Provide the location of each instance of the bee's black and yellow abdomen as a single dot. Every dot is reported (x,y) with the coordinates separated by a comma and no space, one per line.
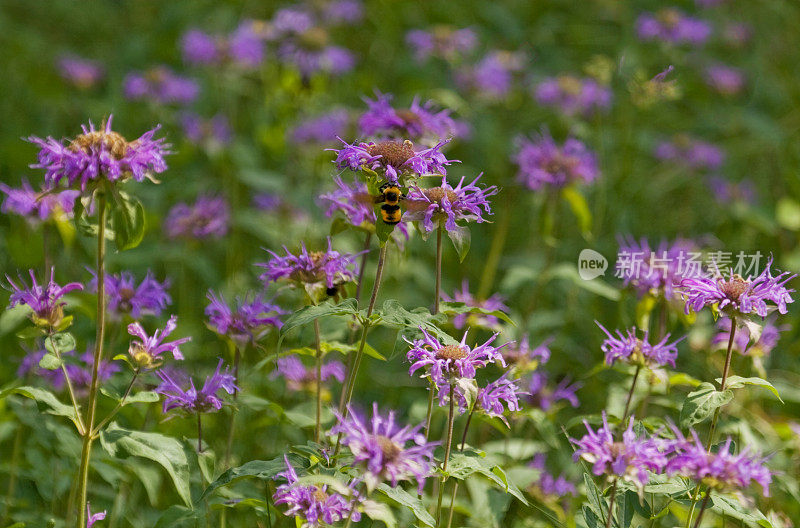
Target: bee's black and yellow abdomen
(391,214)
(390,196)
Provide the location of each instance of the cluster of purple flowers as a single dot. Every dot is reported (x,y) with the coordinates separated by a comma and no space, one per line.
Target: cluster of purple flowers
(545,164)
(574,95)
(443,42)
(727,192)
(299,377)
(125,297)
(79,369)
(541,394)
(691,153)
(37,206)
(420,121)
(549,485)
(493,303)
(661,269)
(243,47)
(247,322)
(445,205)
(191,400)
(672,27)
(44,300)
(160,85)
(632,349)
(207,217)
(392,158)
(82,73)
(322,129)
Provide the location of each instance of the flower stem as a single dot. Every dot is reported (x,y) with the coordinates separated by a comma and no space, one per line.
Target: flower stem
(438,270)
(237,356)
(460,450)
(86,450)
(630,395)
(116,409)
(429,416)
(702,509)
(495,251)
(360,283)
(70,389)
(319,380)
(199,434)
(725,372)
(611,504)
(447,448)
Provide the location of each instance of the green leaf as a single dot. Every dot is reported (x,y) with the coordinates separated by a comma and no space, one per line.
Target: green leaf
(377,511)
(166,451)
(309,314)
(177,517)
(46,401)
(127,218)
(730,506)
(258,469)
(737,382)
(457,308)
(461,239)
(699,404)
(591,518)
(60,343)
(139,397)
(404,498)
(50,362)
(393,314)
(580,208)
(462,465)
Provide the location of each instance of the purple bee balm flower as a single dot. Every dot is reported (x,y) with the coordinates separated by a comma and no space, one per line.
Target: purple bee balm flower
(100,153)
(493,303)
(160,85)
(638,351)
(146,351)
(91,518)
(267,202)
(208,217)
(738,296)
(629,459)
(724,79)
(446,362)
(314,504)
(381,445)
(322,129)
(328,270)
(250,320)
(292,20)
(721,471)
(690,153)
(770,334)
(191,400)
(574,95)
(198,47)
(673,27)
(419,121)
(492,397)
(299,377)
(727,192)
(40,206)
(213,133)
(306,55)
(150,297)
(543,163)
(493,75)
(246,45)
(549,484)
(392,158)
(83,73)
(541,395)
(357,205)
(444,42)
(445,204)
(44,300)
(343,11)
(656,272)
(520,354)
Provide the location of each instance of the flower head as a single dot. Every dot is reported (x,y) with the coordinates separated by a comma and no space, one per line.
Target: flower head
(198,47)
(446,362)
(322,129)
(542,395)
(213,133)
(574,95)
(549,485)
(247,322)
(44,300)
(442,41)
(446,204)
(100,153)
(638,351)
(690,152)
(299,377)
(82,73)
(80,369)
(479,320)
(727,192)
(392,158)
(724,79)
(658,271)
(191,400)
(207,217)
(246,45)
(37,207)
(673,27)
(357,205)
(491,399)
(146,350)
(382,446)
(520,354)
(493,75)
(160,85)
(419,121)
(125,297)
(543,163)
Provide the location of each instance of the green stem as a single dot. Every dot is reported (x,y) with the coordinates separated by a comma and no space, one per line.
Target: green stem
(199,433)
(12,473)
(70,390)
(630,395)
(447,448)
(318,381)
(461,450)
(495,252)
(702,509)
(86,450)
(237,355)
(360,282)
(116,409)
(438,270)
(611,504)
(725,371)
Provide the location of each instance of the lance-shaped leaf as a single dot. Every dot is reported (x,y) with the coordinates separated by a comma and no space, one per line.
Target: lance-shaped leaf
(699,404)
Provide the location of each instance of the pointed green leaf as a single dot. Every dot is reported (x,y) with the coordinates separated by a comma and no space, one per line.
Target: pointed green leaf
(699,404)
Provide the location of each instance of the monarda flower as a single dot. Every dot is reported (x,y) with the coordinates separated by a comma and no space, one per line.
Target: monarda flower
(207,217)
(522,357)
(247,322)
(161,86)
(213,134)
(656,271)
(387,451)
(81,73)
(246,46)
(739,296)
(190,400)
(672,27)
(770,334)
(478,320)
(727,192)
(574,95)
(548,485)
(392,158)
(444,42)
(419,121)
(724,79)
(545,164)
(691,153)
(322,129)
(315,505)
(445,205)
(125,297)
(542,395)
(44,300)
(80,369)
(321,273)
(494,398)
(632,349)
(101,153)
(493,75)
(198,47)
(146,351)
(37,206)
(299,377)
(629,459)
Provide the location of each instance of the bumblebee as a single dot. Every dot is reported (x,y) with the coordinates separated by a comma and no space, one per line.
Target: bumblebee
(390,196)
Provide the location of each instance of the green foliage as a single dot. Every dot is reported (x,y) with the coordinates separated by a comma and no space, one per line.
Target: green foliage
(702,402)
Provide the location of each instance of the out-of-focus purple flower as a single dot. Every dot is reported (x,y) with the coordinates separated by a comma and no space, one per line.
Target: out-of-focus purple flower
(267,202)
(100,153)
(343,11)
(737,34)
(632,349)
(30,365)
(543,396)
(146,349)
(479,320)
(737,296)
(548,484)
(299,377)
(574,95)
(160,85)
(724,79)
(726,191)
(493,75)
(91,518)
(770,334)
(629,459)
(419,121)
(673,27)
(443,363)
(198,47)
(381,445)
(446,205)
(44,300)
(246,45)
(543,163)
(208,217)
(444,42)
(81,374)
(655,271)
(41,206)
(79,368)
(292,20)
(721,471)
(248,322)
(392,158)
(212,133)
(83,73)
(314,504)
(322,129)
(521,356)
(709,3)
(150,297)
(191,400)
(492,397)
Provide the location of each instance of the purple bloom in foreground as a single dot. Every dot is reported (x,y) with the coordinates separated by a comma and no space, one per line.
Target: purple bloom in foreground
(392,158)
(100,153)
(673,27)
(248,322)
(501,391)
(83,73)
(691,153)
(543,396)
(381,445)
(323,129)
(445,204)
(161,85)
(446,362)
(146,351)
(543,163)
(191,400)
(724,79)
(41,206)
(91,519)
(629,459)
(315,504)
(574,95)
(299,377)
(125,297)
(493,303)
(419,121)
(442,41)
(43,299)
(738,296)
(638,351)
(207,217)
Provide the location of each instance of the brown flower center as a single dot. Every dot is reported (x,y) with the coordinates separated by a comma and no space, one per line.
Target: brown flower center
(561,164)
(437,194)
(99,139)
(409,117)
(389,447)
(451,352)
(392,153)
(734,288)
(320,495)
(669,17)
